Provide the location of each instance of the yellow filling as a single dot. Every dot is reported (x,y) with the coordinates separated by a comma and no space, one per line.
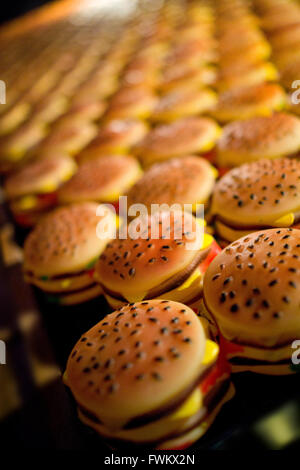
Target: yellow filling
(27,202)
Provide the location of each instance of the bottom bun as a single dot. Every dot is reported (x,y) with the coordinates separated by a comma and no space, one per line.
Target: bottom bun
(189,438)
(75,298)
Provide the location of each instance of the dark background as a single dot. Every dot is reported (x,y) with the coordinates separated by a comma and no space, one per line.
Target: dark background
(13,9)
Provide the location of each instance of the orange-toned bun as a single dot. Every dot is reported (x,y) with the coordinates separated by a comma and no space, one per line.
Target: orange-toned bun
(251,289)
(131,102)
(187,180)
(154,260)
(249,101)
(65,241)
(103,179)
(140,389)
(115,137)
(259,137)
(262,194)
(39,177)
(70,136)
(182,137)
(185,76)
(180,103)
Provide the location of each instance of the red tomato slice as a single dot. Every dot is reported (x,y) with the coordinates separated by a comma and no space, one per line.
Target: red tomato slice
(214,251)
(220,368)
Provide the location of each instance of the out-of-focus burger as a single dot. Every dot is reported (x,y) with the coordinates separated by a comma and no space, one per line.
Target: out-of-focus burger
(61,251)
(255,196)
(259,137)
(32,190)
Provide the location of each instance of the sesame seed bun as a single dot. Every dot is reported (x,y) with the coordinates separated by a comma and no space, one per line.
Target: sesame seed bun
(15,145)
(65,241)
(69,137)
(86,110)
(246,102)
(118,394)
(259,50)
(49,108)
(259,194)
(117,136)
(182,137)
(143,266)
(192,52)
(187,180)
(286,37)
(186,76)
(251,289)
(246,74)
(259,137)
(181,103)
(103,179)
(13,116)
(40,176)
(131,102)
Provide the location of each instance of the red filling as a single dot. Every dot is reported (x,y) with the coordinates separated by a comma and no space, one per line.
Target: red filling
(29,217)
(220,368)
(214,251)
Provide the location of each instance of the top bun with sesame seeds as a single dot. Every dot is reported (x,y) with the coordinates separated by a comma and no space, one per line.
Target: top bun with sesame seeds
(258,137)
(65,241)
(257,195)
(138,390)
(147,373)
(187,180)
(182,137)
(101,179)
(156,258)
(252,290)
(39,176)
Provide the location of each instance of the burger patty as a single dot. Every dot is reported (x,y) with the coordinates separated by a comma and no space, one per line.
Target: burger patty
(257,362)
(211,400)
(170,284)
(154,415)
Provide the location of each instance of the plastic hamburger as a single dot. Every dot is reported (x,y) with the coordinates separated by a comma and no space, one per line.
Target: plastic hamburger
(255,196)
(131,102)
(185,76)
(180,103)
(251,291)
(115,137)
(61,251)
(247,102)
(182,137)
(187,180)
(148,375)
(32,190)
(163,256)
(259,137)
(103,179)
(69,136)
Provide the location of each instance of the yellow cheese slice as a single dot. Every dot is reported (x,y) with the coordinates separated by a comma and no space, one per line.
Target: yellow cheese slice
(189,407)
(27,202)
(211,352)
(284,221)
